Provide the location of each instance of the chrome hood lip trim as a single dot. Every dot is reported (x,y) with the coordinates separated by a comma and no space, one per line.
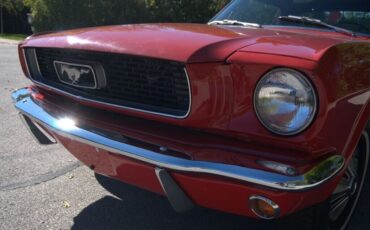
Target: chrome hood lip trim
(319,174)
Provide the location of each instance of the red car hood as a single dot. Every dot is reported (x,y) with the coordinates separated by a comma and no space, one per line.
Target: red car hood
(186,43)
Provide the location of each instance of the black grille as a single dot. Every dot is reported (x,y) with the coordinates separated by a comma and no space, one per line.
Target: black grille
(153,85)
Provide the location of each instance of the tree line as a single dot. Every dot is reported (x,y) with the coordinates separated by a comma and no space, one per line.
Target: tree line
(68,14)
(14,17)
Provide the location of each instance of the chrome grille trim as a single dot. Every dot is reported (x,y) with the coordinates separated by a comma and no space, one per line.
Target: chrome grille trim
(82,98)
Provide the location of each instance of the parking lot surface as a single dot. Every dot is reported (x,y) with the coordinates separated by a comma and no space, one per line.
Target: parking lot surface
(44,187)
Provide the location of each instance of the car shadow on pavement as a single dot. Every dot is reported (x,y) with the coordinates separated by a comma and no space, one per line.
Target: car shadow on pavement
(140,209)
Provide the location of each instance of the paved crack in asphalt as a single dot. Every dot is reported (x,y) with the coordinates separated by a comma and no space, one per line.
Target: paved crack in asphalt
(41,179)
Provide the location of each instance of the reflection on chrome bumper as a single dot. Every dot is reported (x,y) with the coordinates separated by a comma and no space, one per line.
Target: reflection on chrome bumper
(66,127)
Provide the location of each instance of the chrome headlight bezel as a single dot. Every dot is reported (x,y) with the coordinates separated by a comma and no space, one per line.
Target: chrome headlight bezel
(302,78)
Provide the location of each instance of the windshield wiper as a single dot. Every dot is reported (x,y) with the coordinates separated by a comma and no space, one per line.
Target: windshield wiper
(316,22)
(234,23)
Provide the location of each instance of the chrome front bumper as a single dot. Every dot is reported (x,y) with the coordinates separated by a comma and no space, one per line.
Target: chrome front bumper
(64,126)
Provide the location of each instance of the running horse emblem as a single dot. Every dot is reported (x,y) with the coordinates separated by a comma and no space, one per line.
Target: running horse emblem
(74,74)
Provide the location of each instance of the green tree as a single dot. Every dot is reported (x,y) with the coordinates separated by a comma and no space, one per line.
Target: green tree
(67,14)
(184,10)
(14,7)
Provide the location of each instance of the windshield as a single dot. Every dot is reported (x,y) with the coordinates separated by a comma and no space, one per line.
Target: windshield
(353,15)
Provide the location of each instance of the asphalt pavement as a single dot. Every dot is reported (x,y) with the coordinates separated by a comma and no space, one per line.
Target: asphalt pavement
(44,187)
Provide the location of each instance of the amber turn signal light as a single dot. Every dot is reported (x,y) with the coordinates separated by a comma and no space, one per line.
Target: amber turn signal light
(264,208)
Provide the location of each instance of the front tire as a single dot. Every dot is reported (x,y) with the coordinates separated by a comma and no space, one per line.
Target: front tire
(344,200)
(336,213)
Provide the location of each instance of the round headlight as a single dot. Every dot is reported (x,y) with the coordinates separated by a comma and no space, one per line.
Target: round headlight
(285,101)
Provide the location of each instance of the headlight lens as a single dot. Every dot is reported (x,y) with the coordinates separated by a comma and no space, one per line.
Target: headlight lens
(285,101)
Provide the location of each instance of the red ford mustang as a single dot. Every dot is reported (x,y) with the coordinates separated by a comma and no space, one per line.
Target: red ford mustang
(262,112)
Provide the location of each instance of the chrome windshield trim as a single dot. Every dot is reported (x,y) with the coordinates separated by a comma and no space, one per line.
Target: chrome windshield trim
(319,174)
(228,22)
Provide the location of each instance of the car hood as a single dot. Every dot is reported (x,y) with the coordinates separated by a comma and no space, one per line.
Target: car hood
(188,43)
